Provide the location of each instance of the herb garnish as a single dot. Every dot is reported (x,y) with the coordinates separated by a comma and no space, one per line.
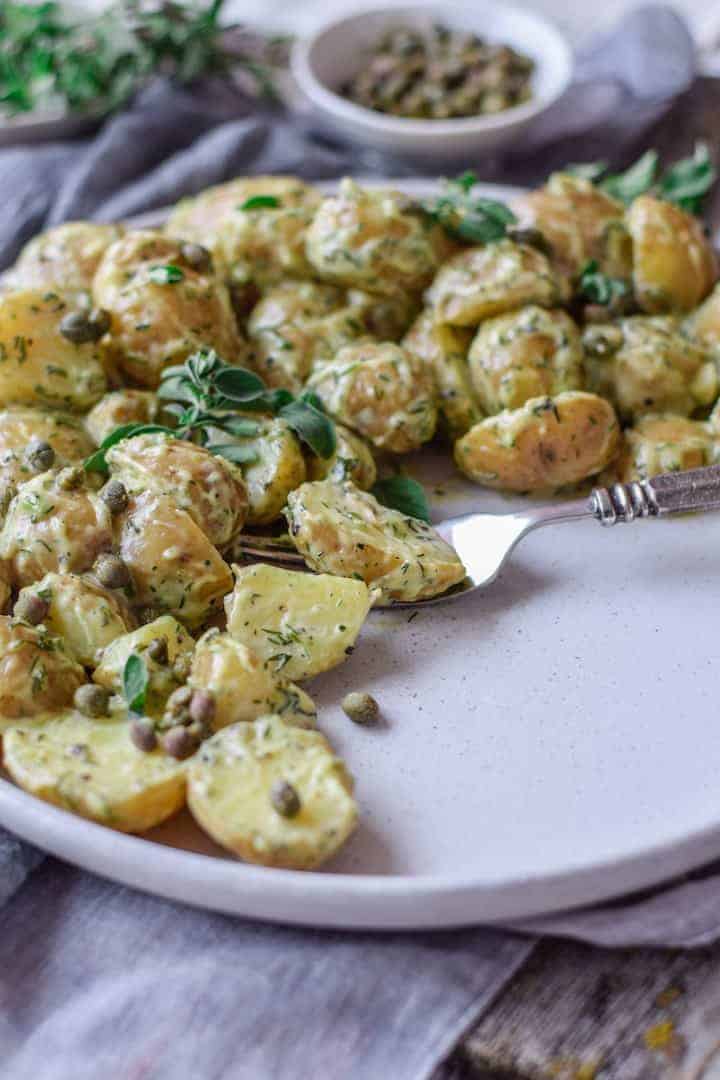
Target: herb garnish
(685,183)
(404,494)
(165,275)
(260,202)
(467,217)
(599,288)
(204,395)
(135,682)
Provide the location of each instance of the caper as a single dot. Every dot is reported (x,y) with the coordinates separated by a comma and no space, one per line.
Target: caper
(31,608)
(285,799)
(115,496)
(157,650)
(142,734)
(197,256)
(82,327)
(361,708)
(179,743)
(71,478)
(92,700)
(111,572)
(202,707)
(39,455)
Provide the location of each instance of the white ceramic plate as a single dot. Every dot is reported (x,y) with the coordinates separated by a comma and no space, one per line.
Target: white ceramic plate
(550,742)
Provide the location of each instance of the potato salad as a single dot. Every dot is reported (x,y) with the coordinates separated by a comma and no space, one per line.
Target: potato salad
(259,368)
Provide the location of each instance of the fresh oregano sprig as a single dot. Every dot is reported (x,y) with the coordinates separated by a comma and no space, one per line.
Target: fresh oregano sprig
(599,288)
(686,183)
(468,217)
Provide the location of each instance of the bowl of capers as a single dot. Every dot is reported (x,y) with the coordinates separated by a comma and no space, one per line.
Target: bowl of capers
(433,81)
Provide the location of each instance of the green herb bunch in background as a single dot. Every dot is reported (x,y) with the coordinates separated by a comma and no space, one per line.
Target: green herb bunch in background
(59,59)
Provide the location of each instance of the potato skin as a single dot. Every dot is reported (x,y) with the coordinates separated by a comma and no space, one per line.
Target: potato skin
(64,258)
(230,783)
(660,444)
(173,565)
(529,353)
(580,222)
(49,530)
(157,325)
(18,425)
(656,367)
(341,530)
(259,246)
(545,445)
(120,407)
(445,350)
(208,487)
(352,460)
(36,672)
(86,616)
(367,239)
(40,367)
(383,392)
(480,282)
(674,266)
(244,687)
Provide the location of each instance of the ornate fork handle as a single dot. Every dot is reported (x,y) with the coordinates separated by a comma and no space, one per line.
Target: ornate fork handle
(670,493)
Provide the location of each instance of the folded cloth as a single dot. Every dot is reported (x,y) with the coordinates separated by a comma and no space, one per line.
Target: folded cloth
(98,980)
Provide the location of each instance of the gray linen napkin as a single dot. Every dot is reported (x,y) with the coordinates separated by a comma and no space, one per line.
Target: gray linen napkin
(98,980)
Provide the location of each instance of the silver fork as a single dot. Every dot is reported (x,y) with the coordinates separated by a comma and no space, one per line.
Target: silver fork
(485,541)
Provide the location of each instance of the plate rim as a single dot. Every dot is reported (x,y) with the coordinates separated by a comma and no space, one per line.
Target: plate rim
(340,900)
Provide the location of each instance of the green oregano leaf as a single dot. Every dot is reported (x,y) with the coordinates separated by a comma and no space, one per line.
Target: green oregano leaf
(599,288)
(239,384)
(687,181)
(466,217)
(165,275)
(260,202)
(97,462)
(135,682)
(404,494)
(308,420)
(238,453)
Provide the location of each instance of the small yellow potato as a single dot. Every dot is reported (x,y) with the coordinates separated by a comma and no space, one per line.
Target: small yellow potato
(529,353)
(64,258)
(298,325)
(92,768)
(244,687)
(80,611)
(36,672)
(272,794)
(50,528)
(208,487)
(383,392)
(581,223)
(372,240)
(352,460)
(674,266)
(341,530)
(703,324)
(38,365)
(445,349)
(648,364)
(260,244)
(544,445)
(484,281)
(298,624)
(278,467)
(173,565)
(661,444)
(21,426)
(162,308)
(120,407)
(164,677)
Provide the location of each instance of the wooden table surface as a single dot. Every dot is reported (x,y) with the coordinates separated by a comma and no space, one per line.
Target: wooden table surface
(580,1013)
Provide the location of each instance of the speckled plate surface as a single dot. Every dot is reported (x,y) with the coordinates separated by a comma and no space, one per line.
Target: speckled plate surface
(549,742)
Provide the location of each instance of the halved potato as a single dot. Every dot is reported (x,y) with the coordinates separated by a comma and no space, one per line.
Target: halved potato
(49,529)
(38,365)
(244,687)
(232,780)
(298,624)
(81,612)
(36,672)
(92,768)
(162,678)
(120,407)
(341,530)
(546,444)
(445,349)
(660,444)
(480,282)
(674,266)
(173,565)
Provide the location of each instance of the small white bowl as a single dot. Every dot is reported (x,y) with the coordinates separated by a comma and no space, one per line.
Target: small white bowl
(329,57)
